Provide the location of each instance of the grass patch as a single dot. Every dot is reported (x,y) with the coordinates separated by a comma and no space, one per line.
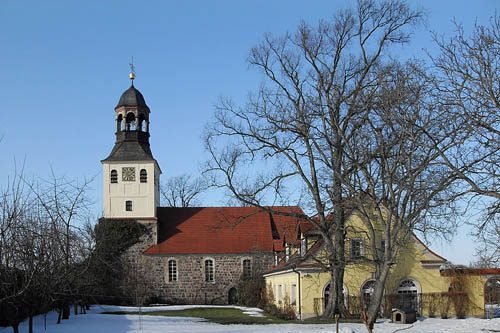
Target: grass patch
(227,316)
(223,316)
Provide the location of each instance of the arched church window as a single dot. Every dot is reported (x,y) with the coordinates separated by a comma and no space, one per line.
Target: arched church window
(114,176)
(144,176)
(209,270)
(247,268)
(172,270)
(128,205)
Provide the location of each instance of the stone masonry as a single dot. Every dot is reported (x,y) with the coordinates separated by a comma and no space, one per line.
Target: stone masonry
(148,275)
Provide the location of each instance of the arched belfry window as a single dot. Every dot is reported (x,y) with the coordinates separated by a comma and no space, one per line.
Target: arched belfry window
(141,123)
(144,176)
(128,205)
(114,176)
(119,121)
(130,120)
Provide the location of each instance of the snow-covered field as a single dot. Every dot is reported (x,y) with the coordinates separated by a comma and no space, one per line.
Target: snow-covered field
(95,322)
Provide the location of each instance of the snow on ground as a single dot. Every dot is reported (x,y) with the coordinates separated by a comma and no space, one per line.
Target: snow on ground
(95,322)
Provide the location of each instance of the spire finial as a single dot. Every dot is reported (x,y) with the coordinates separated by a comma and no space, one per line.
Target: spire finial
(132,70)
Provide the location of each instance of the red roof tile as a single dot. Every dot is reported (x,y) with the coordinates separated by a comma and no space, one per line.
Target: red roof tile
(220,230)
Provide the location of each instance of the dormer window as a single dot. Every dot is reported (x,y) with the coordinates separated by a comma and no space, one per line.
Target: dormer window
(144,176)
(303,246)
(114,176)
(287,252)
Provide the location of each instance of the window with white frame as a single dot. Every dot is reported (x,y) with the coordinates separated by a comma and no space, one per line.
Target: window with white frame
(247,268)
(279,294)
(172,270)
(209,270)
(293,294)
(143,176)
(114,176)
(356,248)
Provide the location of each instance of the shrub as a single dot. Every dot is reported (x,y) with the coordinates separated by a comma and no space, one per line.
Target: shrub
(430,303)
(250,291)
(444,305)
(287,311)
(317,306)
(460,302)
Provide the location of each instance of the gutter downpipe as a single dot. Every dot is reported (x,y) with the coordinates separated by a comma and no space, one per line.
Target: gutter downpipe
(298,293)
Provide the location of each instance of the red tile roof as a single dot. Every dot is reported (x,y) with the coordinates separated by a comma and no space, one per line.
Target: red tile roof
(220,230)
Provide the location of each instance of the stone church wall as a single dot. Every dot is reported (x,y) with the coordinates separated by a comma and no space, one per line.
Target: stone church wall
(147,276)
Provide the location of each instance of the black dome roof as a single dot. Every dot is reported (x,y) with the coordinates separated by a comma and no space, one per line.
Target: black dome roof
(131,97)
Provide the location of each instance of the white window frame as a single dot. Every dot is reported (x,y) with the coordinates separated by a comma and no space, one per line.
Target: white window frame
(361,248)
(207,279)
(244,272)
(176,276)
(293,294)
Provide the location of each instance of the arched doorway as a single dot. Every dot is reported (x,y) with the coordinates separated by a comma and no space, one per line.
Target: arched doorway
(232,297)
(408,294)
(326,295)
(366,293)
(492,297)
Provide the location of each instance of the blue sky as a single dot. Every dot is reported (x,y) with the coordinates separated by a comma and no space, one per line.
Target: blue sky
(64,65)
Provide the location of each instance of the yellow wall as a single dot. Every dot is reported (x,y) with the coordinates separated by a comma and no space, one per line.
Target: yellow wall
(408,265)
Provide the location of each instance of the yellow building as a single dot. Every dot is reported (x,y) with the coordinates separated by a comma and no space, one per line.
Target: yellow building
(416,281)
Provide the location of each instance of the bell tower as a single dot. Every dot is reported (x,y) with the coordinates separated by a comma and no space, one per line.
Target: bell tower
(131,175)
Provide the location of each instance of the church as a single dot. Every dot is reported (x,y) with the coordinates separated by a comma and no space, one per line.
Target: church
(199,255)
(193,255)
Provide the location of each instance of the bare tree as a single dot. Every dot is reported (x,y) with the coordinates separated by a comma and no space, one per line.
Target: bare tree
(399,168)
(292,133)
(183,191)
(469,86)
(65,206)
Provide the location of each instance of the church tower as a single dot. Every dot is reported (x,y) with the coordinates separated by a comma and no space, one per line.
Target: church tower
(131,174)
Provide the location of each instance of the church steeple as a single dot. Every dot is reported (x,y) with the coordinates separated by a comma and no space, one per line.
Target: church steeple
(132,127)
(131,174)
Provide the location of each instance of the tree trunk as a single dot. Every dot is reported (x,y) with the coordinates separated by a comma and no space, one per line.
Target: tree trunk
(30,324)
(371,314)
(337,260)
(65,310)
(15,327)
(59,315)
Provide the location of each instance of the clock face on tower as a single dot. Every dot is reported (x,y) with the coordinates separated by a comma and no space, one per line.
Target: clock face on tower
(128,174)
